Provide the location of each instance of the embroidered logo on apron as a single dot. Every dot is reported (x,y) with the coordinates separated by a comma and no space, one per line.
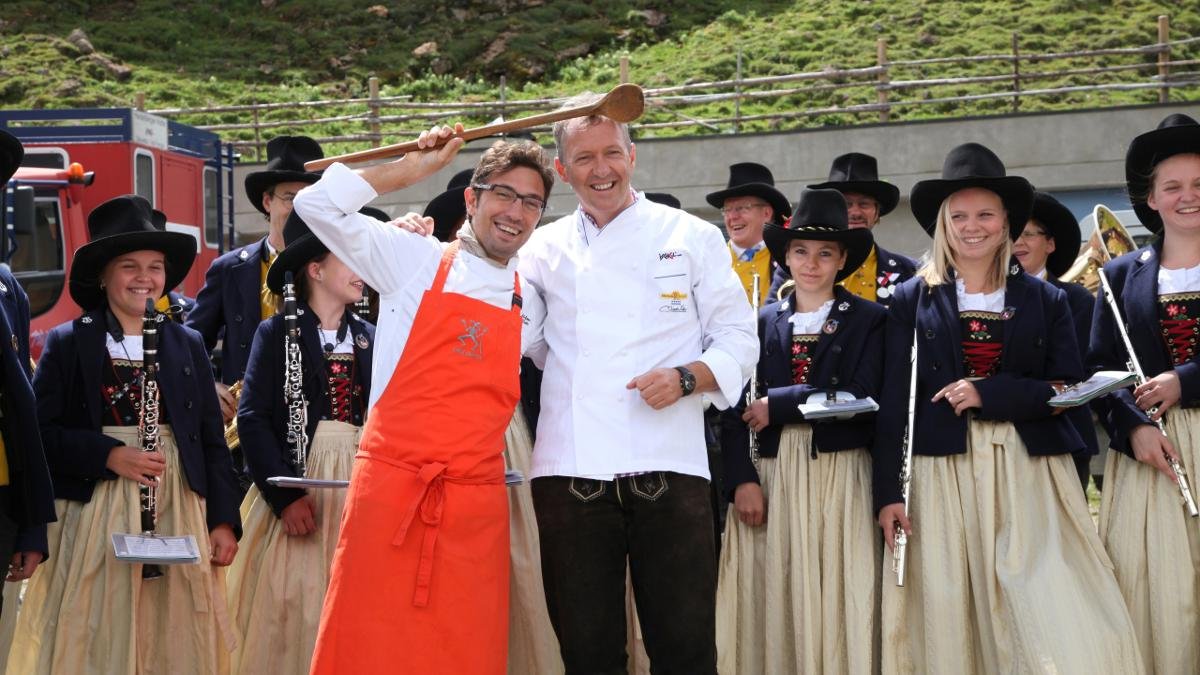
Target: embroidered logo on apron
(470,343)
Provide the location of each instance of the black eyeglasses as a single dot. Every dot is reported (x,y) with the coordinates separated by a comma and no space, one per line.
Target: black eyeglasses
(507,195)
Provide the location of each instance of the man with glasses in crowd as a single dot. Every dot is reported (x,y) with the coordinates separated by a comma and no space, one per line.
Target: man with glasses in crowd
(748,203)
(422,561)
(235,298)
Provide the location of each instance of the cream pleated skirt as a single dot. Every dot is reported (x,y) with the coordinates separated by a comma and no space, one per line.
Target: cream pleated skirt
(532,646)
(1006,573)
(277,583)
(84,613)
(8,619)
(1155,548)
(800,594)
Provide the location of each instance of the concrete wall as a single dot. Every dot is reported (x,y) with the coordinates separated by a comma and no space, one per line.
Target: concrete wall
(1055,151)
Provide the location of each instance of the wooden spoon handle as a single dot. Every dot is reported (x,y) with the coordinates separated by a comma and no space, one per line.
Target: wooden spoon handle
(625,103)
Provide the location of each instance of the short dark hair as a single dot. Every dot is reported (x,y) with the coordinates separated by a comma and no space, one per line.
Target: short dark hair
(507,155)
(582,99)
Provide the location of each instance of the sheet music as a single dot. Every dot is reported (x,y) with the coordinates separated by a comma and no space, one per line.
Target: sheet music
(157,549)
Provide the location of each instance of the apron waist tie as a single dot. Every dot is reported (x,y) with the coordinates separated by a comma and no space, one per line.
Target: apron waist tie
(428,501)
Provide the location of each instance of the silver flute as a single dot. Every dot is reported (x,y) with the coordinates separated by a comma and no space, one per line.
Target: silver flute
(293,379)
(148,425)
(900,548)
(1134,365)
(752,392)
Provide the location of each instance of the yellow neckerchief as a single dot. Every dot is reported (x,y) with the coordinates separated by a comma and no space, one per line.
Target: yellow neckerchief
(745,270)
(861,281)
(266,297)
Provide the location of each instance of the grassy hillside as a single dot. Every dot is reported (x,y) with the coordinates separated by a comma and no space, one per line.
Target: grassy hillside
(186,53)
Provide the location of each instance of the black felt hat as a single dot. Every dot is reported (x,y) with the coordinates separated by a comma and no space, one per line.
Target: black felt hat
(1176,134)
(973,165)
(286,156)
(449,207)
(857,172)
(119,226)
(11,154)
(1060,224)
(748,179)
(665,199)
(821,215)
(300,246)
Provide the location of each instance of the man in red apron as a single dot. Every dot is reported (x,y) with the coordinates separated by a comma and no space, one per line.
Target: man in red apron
(420,577)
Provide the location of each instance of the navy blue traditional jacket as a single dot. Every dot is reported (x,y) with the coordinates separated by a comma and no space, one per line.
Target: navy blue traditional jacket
(70,407)
(230,306)
(1082,305)
(31,497)
(1134,280)
(899,268)
(262,410)
(848,357)
(1038,348)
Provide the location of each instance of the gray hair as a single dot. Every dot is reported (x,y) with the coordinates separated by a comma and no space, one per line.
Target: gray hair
(583,99)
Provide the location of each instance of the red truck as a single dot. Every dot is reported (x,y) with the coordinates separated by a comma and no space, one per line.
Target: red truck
(76,159)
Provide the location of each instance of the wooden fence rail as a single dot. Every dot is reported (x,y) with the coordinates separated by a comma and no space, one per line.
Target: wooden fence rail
(869,90)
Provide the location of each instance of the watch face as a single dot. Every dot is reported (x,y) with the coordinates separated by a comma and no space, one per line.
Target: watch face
(687,382)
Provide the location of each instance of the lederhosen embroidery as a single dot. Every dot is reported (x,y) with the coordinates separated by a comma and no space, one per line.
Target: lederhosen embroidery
(803,348)
(1179,319)
(981,344)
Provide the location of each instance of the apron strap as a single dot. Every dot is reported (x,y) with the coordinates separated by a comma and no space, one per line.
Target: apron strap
(439,280)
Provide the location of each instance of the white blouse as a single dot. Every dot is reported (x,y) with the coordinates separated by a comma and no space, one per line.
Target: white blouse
(1183,280)
(809,323)
(978,302)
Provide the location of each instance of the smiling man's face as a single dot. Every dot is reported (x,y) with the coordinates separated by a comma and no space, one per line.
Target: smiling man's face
(598,165)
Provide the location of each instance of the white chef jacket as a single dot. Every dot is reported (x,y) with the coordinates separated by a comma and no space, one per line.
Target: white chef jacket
(401,266)
(655,289)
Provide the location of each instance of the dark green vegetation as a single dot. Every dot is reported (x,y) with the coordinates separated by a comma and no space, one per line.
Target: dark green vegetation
(192,53)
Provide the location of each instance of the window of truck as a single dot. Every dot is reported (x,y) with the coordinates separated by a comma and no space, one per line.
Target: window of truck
(38,262)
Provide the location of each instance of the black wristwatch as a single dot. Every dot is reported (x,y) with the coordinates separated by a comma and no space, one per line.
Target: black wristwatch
(687,381)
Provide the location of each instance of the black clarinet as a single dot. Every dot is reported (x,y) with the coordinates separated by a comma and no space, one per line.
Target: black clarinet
(293,379)
(148,425)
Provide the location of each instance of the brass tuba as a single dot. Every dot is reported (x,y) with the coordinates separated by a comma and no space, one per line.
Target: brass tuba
(1108,241)
(231,430)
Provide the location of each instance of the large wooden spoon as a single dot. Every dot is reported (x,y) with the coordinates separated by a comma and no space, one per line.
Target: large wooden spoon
(624,103)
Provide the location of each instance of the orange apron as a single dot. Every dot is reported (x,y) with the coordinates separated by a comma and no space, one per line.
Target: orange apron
(419,582)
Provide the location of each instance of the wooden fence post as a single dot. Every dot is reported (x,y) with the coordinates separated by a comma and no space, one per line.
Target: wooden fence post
(881,95)
(737,91)
(624,69)
(1016,104)
(503,93)
(258,149)
(139,101)
(373,111)
(1164,57)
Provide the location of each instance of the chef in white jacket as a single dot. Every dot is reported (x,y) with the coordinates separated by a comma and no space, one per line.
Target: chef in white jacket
(643,314)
